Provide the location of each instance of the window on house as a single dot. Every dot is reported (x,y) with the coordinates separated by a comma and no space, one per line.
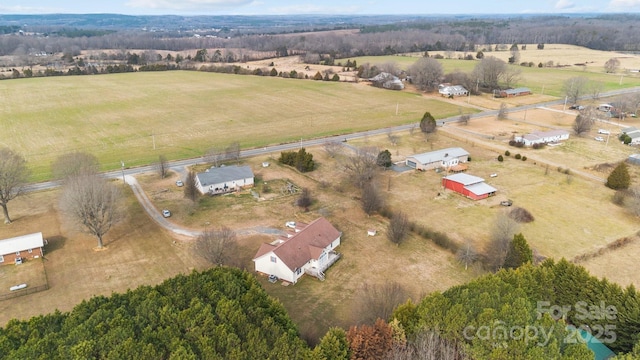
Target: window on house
(30,250)
(298,271)
(273,259)
(17,253)
(1,258)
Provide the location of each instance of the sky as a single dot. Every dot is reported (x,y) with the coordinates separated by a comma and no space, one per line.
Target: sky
(328,7)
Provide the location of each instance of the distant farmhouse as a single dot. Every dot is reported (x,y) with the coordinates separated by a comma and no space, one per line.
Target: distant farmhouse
(512,92)
(224,179)
(452,90)
(543,137)
(470,186)
(387,81)
(21,247)
(310,250)
(448,159)
(633,133)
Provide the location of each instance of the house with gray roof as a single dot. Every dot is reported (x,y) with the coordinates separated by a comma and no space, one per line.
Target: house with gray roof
(224,179)
(443,158)
(633,133)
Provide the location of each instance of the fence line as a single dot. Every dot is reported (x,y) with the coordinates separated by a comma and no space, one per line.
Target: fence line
(27,291)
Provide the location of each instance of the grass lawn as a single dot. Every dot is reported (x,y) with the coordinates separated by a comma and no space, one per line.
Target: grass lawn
(136,117)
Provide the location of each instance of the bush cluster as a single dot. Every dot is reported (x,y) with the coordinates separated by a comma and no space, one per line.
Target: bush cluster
(518,144)
(301,160)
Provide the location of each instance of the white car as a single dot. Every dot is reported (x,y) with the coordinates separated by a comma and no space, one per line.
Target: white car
(179,183)
(290,224)
(166,213)
(599,138)
(603,131)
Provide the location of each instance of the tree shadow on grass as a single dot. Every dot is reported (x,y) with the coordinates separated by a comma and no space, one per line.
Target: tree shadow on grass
(54,243)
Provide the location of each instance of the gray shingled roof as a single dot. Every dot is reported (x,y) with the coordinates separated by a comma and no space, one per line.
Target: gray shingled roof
(224,174)
(440,155)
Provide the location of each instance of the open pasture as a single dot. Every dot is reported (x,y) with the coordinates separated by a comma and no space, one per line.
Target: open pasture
(137,116)
(573,60)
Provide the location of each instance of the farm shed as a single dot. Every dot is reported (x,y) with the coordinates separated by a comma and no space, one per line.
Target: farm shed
(470,186)
(633,133)
(310,250)
(444,158)
(25,246)
(543,137)
(224,179)
(452,90)
(512,92)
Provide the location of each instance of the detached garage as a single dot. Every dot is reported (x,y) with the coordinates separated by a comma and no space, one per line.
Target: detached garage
(470,186)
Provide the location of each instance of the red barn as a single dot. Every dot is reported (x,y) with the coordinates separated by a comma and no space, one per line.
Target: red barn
(470,186)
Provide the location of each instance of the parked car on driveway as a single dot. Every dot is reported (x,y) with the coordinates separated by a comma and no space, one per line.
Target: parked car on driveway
(599,138)
(179,183)
(166,213)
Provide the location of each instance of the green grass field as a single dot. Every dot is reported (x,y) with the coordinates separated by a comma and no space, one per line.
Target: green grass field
(547,81)
(121,117)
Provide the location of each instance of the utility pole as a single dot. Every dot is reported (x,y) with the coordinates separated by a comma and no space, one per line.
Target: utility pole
(122,164)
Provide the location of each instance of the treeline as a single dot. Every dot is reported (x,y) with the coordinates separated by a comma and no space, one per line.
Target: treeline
(217,314)
(491,315)
(602,32)
(223,313)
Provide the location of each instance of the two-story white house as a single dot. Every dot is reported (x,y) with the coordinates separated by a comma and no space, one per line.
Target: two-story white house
(310,250)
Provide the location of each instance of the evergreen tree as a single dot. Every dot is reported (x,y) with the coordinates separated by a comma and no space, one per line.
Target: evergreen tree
(428,123)
(619,178)
(384,159)
(519,253)
(333,345)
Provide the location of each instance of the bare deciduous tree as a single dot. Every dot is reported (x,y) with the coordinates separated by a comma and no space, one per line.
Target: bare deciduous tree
(611,65)
(511,76)
(162,166)
(467,254)
(371,198)
(232,152)
(332,148)
(595,88)
(362,165)
(215,155)
(92,203)
(428,345)
(426,73)
(191,191)
(582,124)
(393,138)
(502,232)
(464,119)
(218,247)
(574,88)
(74,164)
(503,112)
(490,71)
(398,227)
(377,301)
(13,177)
